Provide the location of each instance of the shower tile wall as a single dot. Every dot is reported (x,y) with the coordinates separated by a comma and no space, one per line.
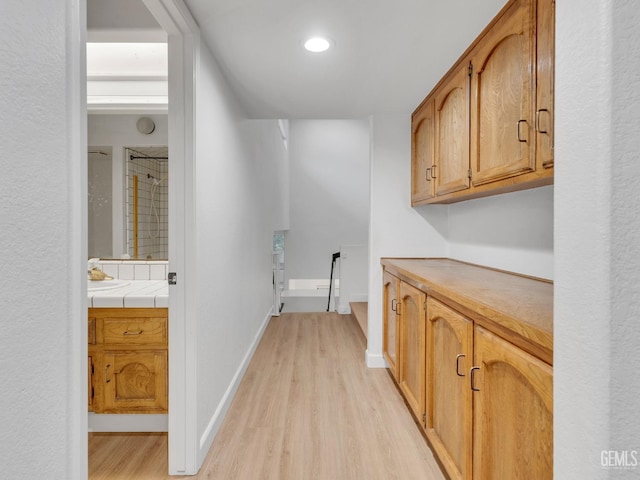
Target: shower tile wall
(152,217)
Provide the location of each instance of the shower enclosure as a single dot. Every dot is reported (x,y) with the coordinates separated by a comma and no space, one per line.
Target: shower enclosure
(146,202)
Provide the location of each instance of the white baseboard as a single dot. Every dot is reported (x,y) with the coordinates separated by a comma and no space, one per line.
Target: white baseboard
(344,309)
(375,361)
(359,297)
(216,420)
(127,423)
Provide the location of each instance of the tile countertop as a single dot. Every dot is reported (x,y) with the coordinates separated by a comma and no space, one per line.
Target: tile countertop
(135,294)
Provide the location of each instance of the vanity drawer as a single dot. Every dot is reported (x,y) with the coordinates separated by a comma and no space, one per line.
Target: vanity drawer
(134,331)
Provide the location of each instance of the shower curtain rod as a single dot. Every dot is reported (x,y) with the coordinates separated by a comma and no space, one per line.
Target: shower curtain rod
(133,157)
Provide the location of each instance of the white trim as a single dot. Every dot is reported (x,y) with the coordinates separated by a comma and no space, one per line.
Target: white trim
(127,423)
(183,51)
(216,420)
(375,361)
(126,35)
(77,464)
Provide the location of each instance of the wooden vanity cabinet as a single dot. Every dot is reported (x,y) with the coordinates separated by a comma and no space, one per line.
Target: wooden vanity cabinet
(449,413)
(129,360)
(411,378)
(513,411)
(390,337)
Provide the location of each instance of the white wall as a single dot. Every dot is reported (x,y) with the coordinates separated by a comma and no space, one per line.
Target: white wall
(512,231)
(395,229)
(329,193)
(43,375)
(354,276)
(238,207)
(119,132)
(596,332)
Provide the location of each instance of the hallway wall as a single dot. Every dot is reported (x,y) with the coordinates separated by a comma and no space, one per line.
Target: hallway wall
(238,205)
(43,199)
(329,193)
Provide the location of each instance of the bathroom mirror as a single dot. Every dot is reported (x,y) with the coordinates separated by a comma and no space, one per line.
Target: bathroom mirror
(128,202)
(100,202)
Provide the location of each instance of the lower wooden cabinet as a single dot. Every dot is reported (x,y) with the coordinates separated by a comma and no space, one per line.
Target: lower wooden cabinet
(513,412)
(411,378)
(128,360)
(449,415)
(390,337)
(483,397)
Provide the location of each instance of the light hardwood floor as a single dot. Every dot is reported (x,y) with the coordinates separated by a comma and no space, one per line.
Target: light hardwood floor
(307,408)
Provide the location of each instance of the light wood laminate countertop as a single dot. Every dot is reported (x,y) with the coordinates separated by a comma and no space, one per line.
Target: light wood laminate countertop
(518,307)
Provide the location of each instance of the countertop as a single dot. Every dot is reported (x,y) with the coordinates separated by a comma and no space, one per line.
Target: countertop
(131,294)
(518,306)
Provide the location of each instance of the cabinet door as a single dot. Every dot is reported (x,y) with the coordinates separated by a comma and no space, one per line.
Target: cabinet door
(449,399)
(545,82)
(412,348)
(451,170)
(390,338)
(135,382)
(422,152)
(502,127)
(513,412)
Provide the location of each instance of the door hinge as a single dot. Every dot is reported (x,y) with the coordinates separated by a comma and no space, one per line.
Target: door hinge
(172,278)
(424,419)
(470,69)
(469,173)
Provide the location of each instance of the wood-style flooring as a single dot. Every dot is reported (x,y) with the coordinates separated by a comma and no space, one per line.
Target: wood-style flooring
(307,408)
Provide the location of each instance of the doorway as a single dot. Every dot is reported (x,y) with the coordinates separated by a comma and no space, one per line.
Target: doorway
(181,33)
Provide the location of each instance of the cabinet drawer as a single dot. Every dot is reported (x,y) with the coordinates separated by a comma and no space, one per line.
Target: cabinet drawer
(134,331)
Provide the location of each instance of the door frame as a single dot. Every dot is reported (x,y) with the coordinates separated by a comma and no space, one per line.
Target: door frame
(183,37)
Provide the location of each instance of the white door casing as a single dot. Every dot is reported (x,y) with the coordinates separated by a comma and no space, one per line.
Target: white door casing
(183,43)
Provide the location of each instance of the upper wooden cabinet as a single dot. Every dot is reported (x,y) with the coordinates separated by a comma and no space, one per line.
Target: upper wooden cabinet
(493,129)
(422,152)
(450,171)
(545,48)
(502,142)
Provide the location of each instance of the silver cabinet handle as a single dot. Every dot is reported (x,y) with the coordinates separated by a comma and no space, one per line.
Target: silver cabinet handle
(106,379)
(427,174)
(458,357)
(394,306)
(472,377)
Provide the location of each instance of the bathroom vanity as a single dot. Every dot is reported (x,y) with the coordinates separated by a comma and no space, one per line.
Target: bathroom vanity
(128,340)
(128,360)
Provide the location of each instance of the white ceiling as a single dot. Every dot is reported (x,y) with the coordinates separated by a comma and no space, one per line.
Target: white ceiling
(387,55)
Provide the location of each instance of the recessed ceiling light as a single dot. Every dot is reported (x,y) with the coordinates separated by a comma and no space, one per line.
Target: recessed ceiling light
(317,44)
